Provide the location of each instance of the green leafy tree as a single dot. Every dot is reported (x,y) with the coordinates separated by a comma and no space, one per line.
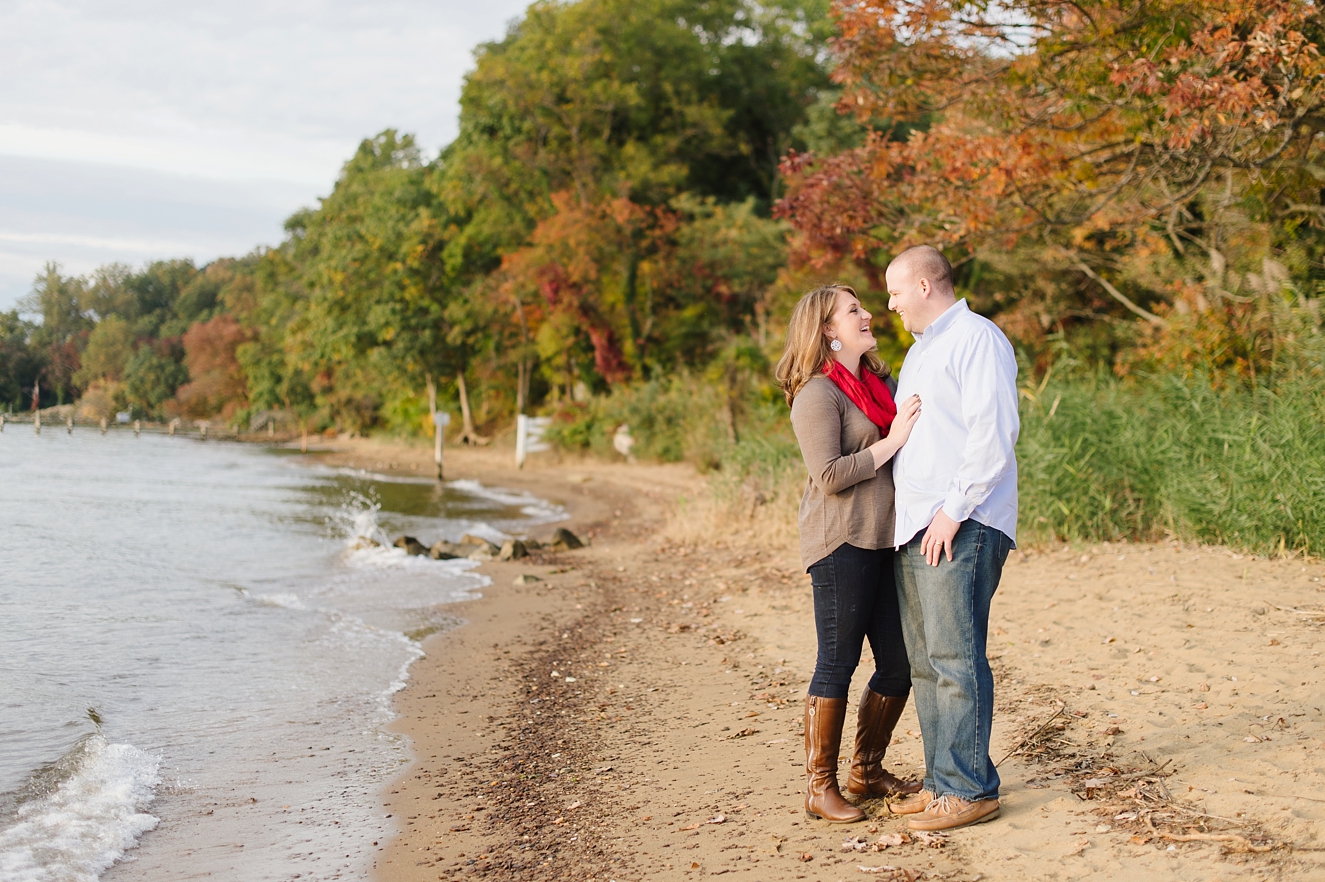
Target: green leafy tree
(109,348)
(151,379)
(60,337)
(20,362)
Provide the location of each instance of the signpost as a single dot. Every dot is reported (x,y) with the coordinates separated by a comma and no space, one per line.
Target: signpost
(440,420)
(529,437)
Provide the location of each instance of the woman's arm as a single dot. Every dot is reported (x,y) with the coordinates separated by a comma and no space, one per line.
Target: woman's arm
(886,448)
(816,418)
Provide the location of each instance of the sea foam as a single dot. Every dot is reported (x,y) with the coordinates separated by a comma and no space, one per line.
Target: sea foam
(88,821)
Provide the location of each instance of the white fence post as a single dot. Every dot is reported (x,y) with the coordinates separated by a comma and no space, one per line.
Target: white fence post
(529,437)
(440,420)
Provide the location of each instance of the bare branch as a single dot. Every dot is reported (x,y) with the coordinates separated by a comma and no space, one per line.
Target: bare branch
(1113,292)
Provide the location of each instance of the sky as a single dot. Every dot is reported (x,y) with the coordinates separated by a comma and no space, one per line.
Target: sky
(135,130)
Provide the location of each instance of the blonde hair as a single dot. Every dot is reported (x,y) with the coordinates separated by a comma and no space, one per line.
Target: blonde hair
(806,352)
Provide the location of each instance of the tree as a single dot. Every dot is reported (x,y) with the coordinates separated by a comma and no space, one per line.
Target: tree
(1136,151)
(151,379)
(366,287)
(580,129)
(60,337)
(20,363)
(109,348)
(216,382)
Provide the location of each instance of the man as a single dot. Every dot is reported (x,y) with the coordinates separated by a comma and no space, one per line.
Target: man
(956,482)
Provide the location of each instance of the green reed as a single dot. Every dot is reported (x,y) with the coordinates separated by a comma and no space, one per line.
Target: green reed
(1242,465)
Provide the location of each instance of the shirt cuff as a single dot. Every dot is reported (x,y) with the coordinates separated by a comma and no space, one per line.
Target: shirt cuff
(957,506)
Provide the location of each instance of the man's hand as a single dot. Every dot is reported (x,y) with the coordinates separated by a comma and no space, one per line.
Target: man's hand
(939,536)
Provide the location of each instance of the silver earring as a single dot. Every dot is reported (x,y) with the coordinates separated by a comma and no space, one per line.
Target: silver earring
(836,345)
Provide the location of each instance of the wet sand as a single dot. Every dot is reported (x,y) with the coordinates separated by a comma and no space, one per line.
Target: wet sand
(1159,710)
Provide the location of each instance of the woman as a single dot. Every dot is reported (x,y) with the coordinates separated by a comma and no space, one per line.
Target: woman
(849,428)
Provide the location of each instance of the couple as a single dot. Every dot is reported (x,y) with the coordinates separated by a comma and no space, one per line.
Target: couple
(906,521)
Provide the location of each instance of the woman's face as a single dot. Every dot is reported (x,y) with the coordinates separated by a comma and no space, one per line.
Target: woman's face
(850,323)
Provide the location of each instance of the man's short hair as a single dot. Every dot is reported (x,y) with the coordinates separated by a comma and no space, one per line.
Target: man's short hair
(927,262)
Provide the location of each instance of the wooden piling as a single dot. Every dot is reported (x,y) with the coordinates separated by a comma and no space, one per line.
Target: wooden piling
(103,425)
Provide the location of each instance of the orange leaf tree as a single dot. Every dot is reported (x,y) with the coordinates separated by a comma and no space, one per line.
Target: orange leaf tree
(1141,149)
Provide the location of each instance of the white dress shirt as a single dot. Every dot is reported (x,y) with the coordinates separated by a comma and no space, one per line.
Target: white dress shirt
(960,455)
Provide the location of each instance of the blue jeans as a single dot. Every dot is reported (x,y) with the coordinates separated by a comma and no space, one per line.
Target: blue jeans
(855,598)
(945,617)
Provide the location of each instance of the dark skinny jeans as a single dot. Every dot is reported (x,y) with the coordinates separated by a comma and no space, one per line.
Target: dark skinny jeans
(855,597)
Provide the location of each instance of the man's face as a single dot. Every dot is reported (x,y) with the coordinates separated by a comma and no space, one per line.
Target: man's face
(907,297)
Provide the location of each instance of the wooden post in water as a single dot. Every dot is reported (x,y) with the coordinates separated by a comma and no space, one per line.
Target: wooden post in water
(36,406)
(271,428)
(103,425)
(69,424)
(204,431)
(2,423)
(440,420)
(137,427)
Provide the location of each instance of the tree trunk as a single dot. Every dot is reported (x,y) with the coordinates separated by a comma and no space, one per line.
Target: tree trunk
(467,435)
(521,382)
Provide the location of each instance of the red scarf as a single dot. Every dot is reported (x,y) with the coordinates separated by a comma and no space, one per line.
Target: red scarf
(867,392)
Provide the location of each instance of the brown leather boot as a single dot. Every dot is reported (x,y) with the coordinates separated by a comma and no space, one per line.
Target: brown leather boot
(823,740)
(875,721)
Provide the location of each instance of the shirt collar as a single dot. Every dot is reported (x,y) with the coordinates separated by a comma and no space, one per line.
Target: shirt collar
(943,322)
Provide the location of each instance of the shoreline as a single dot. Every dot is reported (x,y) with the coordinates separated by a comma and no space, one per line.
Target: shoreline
(676,751)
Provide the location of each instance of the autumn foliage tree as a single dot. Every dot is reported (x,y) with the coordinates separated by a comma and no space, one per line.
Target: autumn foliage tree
(1157,153)
(216,382)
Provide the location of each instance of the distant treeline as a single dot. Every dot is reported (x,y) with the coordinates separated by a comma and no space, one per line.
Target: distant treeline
(640,189)
(603,216)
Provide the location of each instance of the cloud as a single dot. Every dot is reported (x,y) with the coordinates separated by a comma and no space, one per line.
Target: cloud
(241,91)
(233,89)
(83,215)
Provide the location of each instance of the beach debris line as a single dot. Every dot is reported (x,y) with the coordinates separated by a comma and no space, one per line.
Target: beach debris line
(1133,799)
(900,874)
(894,840)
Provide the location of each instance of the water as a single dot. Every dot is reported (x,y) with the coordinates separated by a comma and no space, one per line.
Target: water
(197,652)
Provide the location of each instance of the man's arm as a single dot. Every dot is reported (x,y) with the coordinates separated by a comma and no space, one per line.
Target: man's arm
(989,408)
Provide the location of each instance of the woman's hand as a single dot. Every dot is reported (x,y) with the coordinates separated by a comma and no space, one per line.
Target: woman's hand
(907,414)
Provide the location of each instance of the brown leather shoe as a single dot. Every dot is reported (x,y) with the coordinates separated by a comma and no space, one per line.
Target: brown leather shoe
(911,805)
(876,718)
(823,740)
(950,812)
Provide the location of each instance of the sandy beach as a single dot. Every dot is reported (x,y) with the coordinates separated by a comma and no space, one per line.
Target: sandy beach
(635,713)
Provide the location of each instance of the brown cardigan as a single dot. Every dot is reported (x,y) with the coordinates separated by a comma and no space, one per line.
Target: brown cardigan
(846,500)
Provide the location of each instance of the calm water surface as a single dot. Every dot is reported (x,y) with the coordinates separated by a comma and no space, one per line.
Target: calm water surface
(196,660)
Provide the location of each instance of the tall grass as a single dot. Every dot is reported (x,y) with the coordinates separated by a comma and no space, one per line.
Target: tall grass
(745,446)
(1100,459)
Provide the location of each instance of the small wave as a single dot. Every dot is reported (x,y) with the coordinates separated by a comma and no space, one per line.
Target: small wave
(540,510)
(383,477)
(357,521)
(283,600)
(86,823)
(386,557)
